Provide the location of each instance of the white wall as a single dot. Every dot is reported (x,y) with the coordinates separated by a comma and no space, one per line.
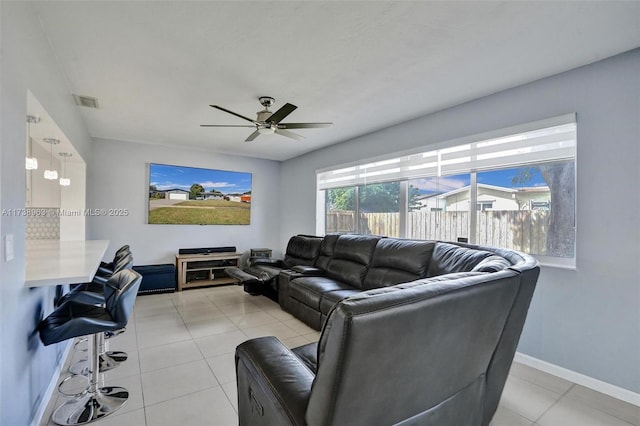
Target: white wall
(586,320)
(117,178)
(27,64)
(2,235)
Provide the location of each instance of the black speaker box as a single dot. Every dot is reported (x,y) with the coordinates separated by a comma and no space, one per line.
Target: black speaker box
(207,250)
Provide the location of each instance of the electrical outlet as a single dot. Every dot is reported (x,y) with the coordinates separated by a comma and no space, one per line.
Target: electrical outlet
(8,247)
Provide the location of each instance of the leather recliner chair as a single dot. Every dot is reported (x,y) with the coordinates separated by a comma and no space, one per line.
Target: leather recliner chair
(302,250)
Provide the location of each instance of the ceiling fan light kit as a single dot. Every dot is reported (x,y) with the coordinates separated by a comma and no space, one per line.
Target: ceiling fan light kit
(266,130)
(268,122)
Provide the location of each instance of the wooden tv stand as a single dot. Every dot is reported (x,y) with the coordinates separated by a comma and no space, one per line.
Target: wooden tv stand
(200,270)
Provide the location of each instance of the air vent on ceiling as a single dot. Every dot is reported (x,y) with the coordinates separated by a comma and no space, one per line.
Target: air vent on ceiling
(86,101)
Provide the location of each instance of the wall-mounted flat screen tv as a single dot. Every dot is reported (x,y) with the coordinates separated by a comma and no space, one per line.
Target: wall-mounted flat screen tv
(194,196)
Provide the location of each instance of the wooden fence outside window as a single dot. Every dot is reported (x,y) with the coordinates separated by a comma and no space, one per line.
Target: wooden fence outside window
(515,230)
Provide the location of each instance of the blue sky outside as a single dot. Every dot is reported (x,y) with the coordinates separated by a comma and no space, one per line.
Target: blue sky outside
(177,177)
(497,178)
(504,178)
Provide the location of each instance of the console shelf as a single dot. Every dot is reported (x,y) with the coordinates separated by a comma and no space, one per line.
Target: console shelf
(200,270)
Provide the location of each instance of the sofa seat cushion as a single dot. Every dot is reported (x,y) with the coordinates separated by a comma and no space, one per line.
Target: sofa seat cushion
(450,258)
(308,354)
(309,290)
(328,300)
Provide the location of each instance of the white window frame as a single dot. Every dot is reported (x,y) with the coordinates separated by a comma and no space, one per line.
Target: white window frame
(469,154)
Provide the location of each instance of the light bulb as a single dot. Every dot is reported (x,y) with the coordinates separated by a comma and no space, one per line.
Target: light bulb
(51,174)
(31,163)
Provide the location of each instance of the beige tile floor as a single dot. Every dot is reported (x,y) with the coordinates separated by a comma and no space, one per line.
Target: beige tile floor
(181,370)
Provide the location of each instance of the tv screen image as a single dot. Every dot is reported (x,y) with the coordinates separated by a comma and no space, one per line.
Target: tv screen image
(195,196)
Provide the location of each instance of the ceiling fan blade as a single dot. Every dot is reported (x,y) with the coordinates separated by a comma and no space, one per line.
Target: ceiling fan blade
(302,125)
(252,136)
(225,125)
(233,113)
(289,134)
(280,114)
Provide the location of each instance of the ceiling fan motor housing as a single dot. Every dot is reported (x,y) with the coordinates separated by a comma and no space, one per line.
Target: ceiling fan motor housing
(263,115)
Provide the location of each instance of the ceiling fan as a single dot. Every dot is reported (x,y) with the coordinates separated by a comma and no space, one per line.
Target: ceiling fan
(269,122)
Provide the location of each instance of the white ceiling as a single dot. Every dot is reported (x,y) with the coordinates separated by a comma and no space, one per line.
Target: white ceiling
(156,66)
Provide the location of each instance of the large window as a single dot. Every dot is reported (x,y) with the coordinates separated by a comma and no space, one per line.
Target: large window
(534,209)
(340,207)
(435,216)
(366,209)
(514,188)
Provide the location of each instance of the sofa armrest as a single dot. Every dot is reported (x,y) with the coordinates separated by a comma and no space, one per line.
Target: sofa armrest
(285,277)
(288,275)
(308,271)
(274,385)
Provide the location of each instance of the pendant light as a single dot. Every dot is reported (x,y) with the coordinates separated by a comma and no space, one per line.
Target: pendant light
(51,173)
(31,162)
(64,181)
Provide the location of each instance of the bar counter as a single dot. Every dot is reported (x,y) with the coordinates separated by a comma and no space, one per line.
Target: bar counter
(54,262)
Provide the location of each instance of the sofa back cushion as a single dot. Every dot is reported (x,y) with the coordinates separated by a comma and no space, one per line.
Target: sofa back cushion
(448,258)
(493,263)
(326,250)
(351,257)
(397,261)
(302,250)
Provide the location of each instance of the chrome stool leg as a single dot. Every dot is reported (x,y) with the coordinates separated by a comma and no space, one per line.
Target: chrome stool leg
(108,360)
(97,402)
(80,340)
(66,387)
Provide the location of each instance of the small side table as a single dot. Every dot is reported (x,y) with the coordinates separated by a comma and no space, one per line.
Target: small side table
(260,252)
(197,270)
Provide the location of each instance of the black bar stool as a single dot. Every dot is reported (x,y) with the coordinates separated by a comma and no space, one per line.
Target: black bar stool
(97,285)
(106,269)
(73,319)
(93,293)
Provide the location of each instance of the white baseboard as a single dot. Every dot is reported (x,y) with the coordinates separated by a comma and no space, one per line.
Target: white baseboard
(580,379)
(53,384)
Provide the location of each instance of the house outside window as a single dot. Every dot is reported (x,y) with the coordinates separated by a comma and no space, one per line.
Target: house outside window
(521,181)
(484,205)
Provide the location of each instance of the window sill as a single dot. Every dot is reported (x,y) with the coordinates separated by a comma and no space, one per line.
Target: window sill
(557,262)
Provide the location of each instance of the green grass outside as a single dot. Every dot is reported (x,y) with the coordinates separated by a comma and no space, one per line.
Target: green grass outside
(215,203)
(205,216)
